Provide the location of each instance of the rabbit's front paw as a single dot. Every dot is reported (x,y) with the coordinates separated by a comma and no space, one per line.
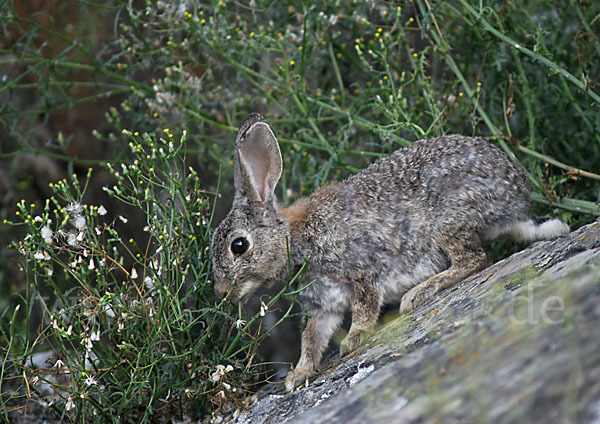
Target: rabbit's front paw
(415,296)
(297,377)
(353,340)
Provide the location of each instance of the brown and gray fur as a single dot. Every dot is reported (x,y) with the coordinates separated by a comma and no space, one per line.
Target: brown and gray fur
(402,229)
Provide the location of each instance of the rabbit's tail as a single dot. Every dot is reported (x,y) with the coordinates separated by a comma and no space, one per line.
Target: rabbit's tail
(530,230)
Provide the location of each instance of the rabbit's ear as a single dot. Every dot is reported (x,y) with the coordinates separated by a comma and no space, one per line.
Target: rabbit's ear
(257,161)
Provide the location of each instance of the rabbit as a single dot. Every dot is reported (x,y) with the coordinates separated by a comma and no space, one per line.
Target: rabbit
(402,229)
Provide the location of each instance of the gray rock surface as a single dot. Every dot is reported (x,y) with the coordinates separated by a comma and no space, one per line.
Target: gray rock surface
(517,342)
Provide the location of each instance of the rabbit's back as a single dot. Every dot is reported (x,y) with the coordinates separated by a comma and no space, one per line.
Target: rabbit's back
(448,171)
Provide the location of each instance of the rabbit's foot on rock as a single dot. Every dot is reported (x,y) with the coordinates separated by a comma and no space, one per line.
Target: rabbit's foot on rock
(297,377)
(353,340)
(417,295)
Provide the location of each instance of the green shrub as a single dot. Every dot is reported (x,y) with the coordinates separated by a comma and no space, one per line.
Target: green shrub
(136,332)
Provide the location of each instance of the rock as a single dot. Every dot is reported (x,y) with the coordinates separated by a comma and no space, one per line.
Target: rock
(517,342)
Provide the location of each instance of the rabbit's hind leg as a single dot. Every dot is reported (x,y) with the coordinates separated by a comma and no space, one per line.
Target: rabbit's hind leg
(466,256)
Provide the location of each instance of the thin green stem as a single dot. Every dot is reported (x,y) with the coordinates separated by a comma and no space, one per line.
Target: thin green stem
(558,164)
(80,67)
(519,47)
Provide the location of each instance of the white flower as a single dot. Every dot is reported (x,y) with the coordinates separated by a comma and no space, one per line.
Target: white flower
(72,239)
(92,265)
(109,311)
(80,236)
(149,282)
(58,364)
(98,232)
(102,210)
(240,323)
(123,219)
(134,273)
(80,222)
(263,308)
(69,330)
(95,336)
(38,219)
(220,372)
(89,381)
(75,208)
(42,256)
(47,234)
(216,376)
(49,272)
(70,404)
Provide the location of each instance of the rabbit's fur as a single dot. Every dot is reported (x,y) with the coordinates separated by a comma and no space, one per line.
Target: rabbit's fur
(404,228)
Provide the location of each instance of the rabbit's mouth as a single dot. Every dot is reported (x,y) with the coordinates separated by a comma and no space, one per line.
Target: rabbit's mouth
(238,291)
(245,290)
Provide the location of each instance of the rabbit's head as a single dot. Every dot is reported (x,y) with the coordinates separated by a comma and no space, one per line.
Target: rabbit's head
(249,247)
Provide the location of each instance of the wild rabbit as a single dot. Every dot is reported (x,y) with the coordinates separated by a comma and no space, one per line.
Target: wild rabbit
(406,227)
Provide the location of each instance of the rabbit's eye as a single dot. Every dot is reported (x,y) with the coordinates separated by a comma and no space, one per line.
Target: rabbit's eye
(239,246)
